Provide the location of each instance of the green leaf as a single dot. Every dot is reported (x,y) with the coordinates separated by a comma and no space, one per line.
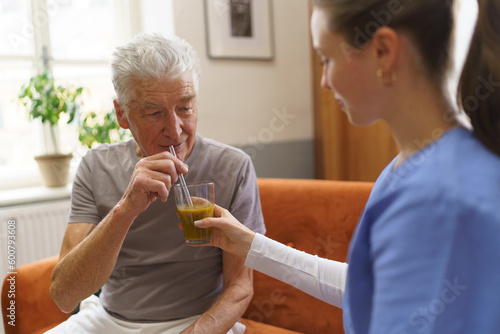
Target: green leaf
(43,99)
(100,128)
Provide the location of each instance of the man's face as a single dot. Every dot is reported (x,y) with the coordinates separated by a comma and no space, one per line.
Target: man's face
(162,113)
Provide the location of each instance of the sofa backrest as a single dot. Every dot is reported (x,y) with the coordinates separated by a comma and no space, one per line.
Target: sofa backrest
(315,216)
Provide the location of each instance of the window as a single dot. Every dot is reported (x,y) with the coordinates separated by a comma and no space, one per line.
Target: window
(75,39)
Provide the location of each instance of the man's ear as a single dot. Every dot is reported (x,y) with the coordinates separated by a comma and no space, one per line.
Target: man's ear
(120,115)
(386,46)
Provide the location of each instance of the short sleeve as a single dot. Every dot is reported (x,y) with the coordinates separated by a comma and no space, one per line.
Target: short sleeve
(83,206)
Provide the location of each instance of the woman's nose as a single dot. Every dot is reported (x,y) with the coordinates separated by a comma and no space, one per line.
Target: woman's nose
(324,81)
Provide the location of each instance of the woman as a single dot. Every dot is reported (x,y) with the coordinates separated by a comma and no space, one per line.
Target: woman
(424,256)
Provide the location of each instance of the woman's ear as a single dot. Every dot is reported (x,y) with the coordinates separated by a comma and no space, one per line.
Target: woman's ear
(385,46)
(120,115)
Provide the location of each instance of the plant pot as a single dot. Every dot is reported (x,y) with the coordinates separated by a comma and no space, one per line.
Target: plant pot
(54,169)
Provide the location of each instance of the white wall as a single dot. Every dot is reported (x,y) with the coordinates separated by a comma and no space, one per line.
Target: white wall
(157,16)
(240,99)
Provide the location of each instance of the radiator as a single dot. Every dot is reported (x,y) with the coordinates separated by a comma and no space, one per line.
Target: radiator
(38,230)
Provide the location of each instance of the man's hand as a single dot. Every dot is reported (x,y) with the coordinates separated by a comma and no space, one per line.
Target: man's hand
(89,252)
(153,178)
(227,233)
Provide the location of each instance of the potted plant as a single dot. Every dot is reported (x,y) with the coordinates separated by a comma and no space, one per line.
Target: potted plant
(45,100)
(95,129)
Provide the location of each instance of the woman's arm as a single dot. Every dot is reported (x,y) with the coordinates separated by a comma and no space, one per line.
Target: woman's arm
(321,278)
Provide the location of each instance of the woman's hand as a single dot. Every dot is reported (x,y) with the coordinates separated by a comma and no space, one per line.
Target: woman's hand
(227,233)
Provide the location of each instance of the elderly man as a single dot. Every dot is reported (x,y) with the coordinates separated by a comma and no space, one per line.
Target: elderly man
(122,234)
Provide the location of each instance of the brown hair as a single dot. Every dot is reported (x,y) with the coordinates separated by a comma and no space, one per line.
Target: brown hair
(428,22)
(479,87)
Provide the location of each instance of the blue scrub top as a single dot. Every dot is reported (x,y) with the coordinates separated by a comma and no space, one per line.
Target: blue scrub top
(425,257)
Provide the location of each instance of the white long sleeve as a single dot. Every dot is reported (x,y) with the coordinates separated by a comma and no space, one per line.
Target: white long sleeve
(321,278)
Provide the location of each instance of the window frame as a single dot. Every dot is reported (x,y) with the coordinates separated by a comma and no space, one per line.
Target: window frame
(127,24)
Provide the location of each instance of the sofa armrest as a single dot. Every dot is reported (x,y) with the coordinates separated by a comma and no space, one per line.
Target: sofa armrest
(34,308)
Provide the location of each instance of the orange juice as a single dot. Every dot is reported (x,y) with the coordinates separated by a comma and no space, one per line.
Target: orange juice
(190,214)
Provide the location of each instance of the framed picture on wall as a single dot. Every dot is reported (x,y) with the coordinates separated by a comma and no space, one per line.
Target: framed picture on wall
(239,29)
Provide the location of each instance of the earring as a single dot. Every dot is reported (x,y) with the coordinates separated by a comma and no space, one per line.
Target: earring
(380,74)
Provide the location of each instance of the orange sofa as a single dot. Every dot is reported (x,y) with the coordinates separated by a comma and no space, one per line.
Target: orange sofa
(315,216)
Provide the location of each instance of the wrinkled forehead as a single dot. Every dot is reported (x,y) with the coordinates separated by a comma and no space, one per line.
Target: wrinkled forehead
(177,87)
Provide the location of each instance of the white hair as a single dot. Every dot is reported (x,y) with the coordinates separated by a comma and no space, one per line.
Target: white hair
(152,56)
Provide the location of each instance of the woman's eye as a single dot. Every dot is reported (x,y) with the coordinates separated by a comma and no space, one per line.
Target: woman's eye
(324,61)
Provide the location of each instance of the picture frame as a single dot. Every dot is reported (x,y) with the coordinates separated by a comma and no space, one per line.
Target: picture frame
(239,29)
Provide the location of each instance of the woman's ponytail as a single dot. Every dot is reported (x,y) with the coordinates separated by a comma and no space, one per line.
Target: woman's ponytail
(479,87)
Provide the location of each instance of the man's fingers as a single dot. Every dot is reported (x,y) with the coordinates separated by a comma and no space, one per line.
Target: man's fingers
(164,162)
(154,183)
(157,173)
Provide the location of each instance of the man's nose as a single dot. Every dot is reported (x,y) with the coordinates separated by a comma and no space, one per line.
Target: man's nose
(172,126)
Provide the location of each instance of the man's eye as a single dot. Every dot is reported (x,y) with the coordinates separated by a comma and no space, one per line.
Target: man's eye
(184,109)
(154,113)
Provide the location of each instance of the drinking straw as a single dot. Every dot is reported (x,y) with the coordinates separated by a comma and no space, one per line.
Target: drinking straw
(182,181)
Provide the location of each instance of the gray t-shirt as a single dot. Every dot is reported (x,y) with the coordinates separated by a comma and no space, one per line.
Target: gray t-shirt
(157,277)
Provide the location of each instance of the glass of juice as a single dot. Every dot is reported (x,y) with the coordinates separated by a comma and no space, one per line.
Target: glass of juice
(194,204)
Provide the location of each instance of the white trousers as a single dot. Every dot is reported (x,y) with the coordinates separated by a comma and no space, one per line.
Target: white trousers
(93,319)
